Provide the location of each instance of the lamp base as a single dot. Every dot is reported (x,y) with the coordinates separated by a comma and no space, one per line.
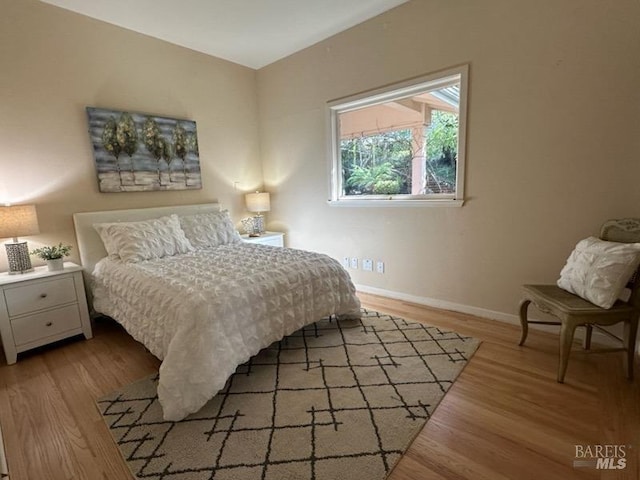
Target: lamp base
(258,225)
(18,256)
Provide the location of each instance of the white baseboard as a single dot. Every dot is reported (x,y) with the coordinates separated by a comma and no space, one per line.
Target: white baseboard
(478,312)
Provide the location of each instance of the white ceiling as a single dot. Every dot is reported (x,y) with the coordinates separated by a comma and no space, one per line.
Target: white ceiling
(254,33)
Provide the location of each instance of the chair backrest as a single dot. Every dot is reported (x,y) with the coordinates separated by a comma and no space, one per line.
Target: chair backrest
(625,230)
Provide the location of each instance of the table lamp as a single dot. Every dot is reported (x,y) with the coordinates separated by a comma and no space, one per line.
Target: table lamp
(17,221)
(258,202)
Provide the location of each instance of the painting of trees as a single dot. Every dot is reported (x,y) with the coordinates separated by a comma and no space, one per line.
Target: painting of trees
(152,144)
(192,144)
(156,145)
(127,137)
(180,147)
(110,142)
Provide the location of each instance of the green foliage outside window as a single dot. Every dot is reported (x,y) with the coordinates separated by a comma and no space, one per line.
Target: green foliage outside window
(381,164)
(378,164)
(442,152)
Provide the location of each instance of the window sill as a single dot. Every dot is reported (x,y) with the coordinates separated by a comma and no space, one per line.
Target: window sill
(395,203)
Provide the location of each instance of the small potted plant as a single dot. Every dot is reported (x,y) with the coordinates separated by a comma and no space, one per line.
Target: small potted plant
(53,255)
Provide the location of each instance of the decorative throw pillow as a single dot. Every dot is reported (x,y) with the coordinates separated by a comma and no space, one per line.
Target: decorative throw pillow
(109,244)
(138,241)
(209,229)
(598,271)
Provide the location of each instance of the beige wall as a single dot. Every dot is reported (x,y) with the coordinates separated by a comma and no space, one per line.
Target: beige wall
(553,144)
(54,63)
(553,149)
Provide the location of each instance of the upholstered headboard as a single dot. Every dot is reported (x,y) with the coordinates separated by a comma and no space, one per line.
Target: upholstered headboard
(90,245)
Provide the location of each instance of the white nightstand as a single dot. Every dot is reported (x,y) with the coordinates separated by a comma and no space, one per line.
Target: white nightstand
(41,307)
(275,239)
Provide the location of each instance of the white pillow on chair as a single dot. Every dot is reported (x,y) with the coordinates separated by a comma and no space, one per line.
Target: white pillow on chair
(598,271)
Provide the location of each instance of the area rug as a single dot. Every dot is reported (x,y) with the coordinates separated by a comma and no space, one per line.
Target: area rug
(339,399)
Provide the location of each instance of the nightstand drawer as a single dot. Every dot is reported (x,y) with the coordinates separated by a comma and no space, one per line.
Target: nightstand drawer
(40,295)
(275,239)
(45,324)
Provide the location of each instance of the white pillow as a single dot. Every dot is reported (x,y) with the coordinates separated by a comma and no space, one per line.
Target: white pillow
(138,241)
(209,229)
(598,271)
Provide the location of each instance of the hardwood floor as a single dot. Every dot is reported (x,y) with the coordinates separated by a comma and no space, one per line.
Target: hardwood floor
(504,418)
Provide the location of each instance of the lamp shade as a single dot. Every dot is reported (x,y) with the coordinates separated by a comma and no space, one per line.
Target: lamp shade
(18,221)
(258,202)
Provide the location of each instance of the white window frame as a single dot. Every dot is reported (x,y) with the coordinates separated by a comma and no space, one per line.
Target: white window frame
(396,91)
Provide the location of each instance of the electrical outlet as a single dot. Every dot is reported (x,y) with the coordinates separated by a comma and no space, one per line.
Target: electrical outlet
(367,265)
(354,262)
(345,262)
(380,266)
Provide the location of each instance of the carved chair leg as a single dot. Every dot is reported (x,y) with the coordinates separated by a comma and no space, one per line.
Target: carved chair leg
(523,320)
(630,332)
(587,337)
(566,339)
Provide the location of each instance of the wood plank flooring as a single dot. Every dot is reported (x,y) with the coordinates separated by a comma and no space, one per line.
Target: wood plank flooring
(504,418)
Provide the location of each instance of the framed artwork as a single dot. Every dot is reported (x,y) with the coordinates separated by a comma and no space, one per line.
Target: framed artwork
(136,152)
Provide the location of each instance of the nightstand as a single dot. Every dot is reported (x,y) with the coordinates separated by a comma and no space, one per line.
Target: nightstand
(42,307)
(275,239)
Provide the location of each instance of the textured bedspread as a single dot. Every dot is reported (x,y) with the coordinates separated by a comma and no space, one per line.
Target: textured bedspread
(207,312)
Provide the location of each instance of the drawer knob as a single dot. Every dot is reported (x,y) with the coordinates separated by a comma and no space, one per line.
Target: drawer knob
(48,324)
(43,295)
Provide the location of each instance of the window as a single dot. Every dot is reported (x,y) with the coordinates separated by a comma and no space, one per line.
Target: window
(401,145)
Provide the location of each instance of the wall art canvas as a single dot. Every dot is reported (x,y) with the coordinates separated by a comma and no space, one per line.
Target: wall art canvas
(135,152)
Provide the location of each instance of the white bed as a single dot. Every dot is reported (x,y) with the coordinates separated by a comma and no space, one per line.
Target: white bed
(203,313)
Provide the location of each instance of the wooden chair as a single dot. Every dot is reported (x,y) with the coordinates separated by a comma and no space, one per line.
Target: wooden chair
(573,311)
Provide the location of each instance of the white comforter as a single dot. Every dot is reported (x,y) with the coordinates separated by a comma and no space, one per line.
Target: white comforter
(207,312)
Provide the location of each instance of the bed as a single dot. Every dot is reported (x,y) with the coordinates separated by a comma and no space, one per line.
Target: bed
(206,309)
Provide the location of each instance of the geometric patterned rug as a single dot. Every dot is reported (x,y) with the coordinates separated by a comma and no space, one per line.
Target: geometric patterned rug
(337,399)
